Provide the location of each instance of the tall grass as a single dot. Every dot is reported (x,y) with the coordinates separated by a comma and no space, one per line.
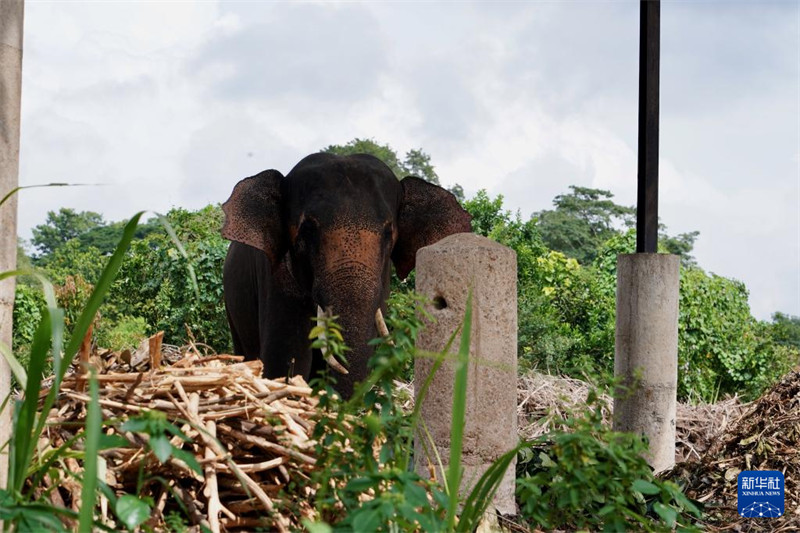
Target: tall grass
(458,421)
(19,509)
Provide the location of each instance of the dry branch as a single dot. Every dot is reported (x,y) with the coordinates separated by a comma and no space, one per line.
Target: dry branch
(250,435)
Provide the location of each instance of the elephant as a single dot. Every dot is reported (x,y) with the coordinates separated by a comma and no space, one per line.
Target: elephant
(321,240)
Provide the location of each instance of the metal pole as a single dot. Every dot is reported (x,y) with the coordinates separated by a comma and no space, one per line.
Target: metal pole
(11,16)
(647,194)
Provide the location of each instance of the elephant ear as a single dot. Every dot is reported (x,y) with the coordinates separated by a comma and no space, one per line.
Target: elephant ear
(253,214)
(428,213)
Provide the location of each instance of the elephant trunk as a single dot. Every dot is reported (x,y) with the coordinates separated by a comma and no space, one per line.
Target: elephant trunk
(355,299)
(380,325)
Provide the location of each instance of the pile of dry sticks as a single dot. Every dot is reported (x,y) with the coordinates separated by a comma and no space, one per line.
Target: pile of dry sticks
(250,435)
(765,437)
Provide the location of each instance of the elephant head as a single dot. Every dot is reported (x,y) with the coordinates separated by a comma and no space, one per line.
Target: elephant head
(324,237)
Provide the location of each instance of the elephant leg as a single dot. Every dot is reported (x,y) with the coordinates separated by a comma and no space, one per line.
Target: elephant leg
(287,320)
(245,277)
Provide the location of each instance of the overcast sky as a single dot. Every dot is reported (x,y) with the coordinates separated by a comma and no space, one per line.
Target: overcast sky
(171,103)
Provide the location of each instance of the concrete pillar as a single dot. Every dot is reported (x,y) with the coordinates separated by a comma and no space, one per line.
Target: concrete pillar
(11,15)
(646,353)
(445,273)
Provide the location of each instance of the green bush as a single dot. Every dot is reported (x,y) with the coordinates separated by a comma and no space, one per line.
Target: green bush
(585,476)
(28,302)
(349,433)
(125,333)
(155,282)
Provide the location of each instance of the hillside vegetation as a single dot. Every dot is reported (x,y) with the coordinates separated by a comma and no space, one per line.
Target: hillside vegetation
(566,282)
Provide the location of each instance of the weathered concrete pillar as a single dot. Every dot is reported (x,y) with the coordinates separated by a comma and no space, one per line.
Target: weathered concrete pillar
(445,273)
(646,353)
(11,15)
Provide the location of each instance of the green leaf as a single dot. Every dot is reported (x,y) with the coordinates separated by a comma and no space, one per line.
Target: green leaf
(459,408)
(108,442)
(94,426)
(16,189)
(668,514)
(175,430)
(415,495)
(366,520)
(140,425)
(361,484)
(316,527)
(161,447)
(645,487)
(188,458)
(132,511)
(15,366)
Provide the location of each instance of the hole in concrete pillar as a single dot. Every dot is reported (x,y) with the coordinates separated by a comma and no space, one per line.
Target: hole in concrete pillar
(439,302)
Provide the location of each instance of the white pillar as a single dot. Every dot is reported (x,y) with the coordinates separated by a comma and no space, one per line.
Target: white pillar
(11,16)
(646,353)
(445,273)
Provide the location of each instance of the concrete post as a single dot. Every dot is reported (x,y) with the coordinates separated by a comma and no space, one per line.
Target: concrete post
(646,354)
(11,16)
(445,273)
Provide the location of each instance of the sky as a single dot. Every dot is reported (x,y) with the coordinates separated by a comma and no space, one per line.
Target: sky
(171,103)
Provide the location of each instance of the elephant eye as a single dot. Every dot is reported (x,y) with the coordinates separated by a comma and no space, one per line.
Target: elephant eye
(387,231)
(308,233)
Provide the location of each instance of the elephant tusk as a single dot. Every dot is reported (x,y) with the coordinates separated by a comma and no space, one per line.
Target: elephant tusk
(383,331)
(329,358)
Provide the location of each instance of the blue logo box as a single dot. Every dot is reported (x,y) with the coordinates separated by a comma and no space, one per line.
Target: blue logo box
(761,494)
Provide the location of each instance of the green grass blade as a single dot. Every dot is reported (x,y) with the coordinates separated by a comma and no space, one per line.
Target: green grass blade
(94,425)
(177,242)
(482,494)
(459,408)
(431,449)
(87,316)
(16,189)
(47,287)
(45,338)
(16,367)
(101,289)
(50,458)
(414,419)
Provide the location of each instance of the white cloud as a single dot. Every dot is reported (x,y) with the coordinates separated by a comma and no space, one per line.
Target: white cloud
(171,103)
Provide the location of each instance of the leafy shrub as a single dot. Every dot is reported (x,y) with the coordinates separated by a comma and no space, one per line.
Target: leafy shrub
(72,297)
(125,332)
(722,349)
(349,433)
(586,476)
(73,259)
(156,284)
(28,302)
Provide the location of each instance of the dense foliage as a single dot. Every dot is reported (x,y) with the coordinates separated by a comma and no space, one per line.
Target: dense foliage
(585,476)
(154,291)
(567,312)
(566,285)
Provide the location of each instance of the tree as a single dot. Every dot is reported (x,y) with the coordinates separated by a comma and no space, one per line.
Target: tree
(680,245)
(582,221)
(786,329)
(368,146)
(586,218)
(106,237)
(61,227)
(416,162)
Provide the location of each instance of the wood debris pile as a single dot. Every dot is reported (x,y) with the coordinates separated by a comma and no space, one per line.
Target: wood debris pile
(250,436)
(765,437)
(543,399)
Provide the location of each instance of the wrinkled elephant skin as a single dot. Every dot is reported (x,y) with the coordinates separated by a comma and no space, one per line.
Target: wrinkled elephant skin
(323,237)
